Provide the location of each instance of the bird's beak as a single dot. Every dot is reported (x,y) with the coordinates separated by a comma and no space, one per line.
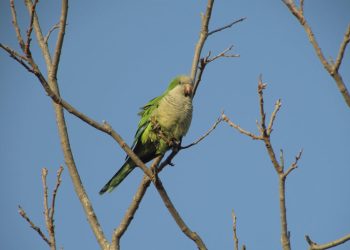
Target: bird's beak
(188,90)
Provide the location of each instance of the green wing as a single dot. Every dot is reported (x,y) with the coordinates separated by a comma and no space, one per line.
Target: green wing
(145,113)
(147,110)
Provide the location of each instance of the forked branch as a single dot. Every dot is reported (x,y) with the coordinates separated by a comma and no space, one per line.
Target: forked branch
(330,66)
(49,211)
(265,131)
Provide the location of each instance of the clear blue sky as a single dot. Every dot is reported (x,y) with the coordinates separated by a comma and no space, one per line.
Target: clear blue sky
(116,56)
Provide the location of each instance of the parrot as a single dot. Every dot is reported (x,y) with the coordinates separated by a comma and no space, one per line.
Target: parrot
(164,121)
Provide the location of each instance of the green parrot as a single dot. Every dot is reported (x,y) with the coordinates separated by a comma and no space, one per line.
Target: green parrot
(164,120)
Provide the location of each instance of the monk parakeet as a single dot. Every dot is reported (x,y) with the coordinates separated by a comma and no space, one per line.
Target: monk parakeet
(164,119)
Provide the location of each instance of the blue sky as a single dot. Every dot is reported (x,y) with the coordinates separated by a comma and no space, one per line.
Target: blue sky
(118,55)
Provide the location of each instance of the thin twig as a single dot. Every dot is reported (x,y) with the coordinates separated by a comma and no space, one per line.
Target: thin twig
(32,225)
(232,124)
(205,135)
(222,54)
(47,37)
(202,38)
(226,26)
(30,29)
(205,61)
(342,48)
(60,38)
(16,56)
(15,25)
(273,116)
(46,204)
(294,165)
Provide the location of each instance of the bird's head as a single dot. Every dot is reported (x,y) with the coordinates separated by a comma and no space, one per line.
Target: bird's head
(184,83)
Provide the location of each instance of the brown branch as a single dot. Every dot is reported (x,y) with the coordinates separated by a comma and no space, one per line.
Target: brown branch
(294,165)
(60,38)
(46,205)
(226,26)
(30,29)
(241,130)
(47,37)
(234,228)
(342,48)
(48,211)
(61,124)
(130,213)
(202,38)
(176,216)
(32,225)
(18,57)
(205,61)
(315,246)
(329,66)
(209,59)
(15,25)
(265,132)
(273,116)
(205,135)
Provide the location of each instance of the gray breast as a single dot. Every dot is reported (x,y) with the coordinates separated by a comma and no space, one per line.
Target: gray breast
(174,114)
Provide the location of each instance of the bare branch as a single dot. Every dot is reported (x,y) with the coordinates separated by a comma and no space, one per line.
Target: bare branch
(273,116)
(15,25)
(342,48)
(30,29)
(222,54)
(226,26)
(235,238)
(232,124)
(261,87)
(59,43)
(203,63)
(202,38)
(16,56)
(46,204)
(176,216)
(329,66)
(315,246)
(47,37)
(62,127)
(130,213)
(294,165)
(301,7)
(32,225)
(205,135)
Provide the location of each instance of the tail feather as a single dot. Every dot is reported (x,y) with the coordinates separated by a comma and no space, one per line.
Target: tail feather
(122,173)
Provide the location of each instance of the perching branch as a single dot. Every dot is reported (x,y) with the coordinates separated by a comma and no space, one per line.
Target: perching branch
(130,213)
(265,133)
(49,212)
(315,246)
(156,166)
(330,66)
